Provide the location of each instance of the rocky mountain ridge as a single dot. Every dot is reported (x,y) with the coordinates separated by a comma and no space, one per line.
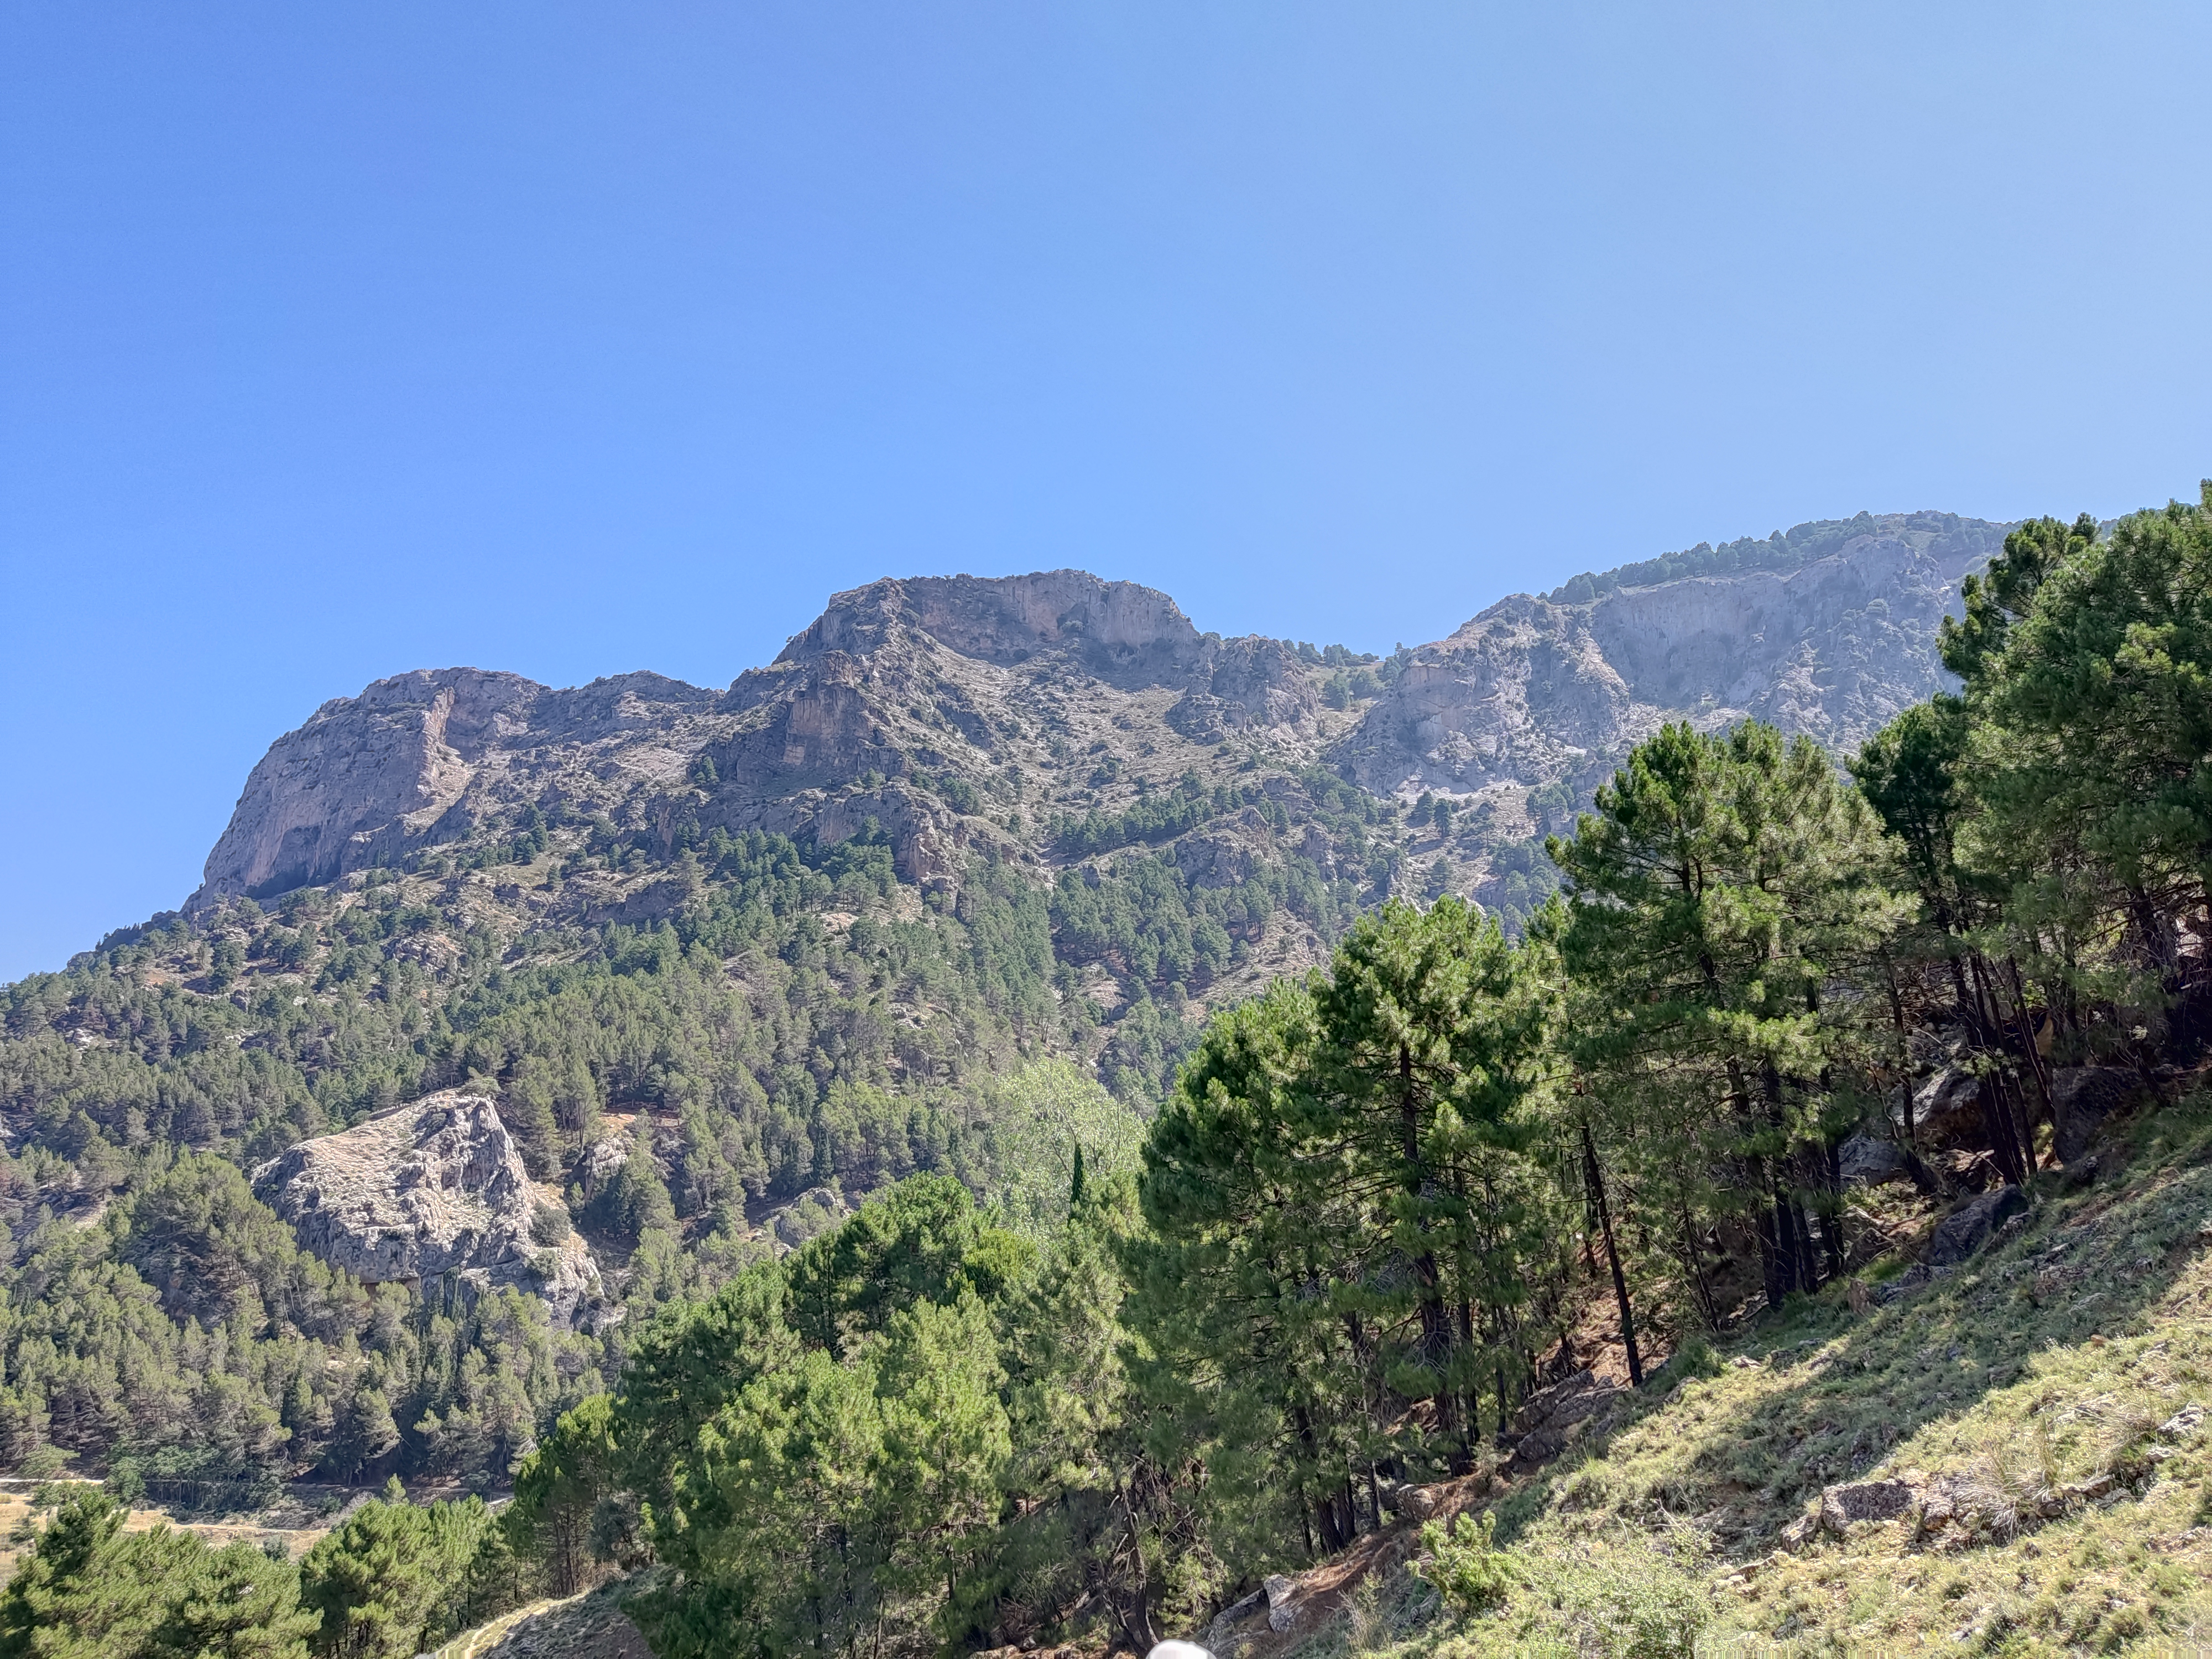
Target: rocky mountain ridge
(963,717)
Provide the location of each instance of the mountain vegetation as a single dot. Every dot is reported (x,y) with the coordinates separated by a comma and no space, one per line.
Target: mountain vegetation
(1145,1228)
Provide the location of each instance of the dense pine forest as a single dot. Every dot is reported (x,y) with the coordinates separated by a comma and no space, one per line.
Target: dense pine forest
(984,1281)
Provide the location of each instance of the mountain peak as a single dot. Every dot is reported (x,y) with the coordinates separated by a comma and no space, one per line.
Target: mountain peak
(1006,620)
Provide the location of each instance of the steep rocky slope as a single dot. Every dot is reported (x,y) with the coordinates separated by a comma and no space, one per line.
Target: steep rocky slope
(420,759)
(1536,690)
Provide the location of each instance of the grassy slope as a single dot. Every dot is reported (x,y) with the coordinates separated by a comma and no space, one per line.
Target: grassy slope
(2049,1360)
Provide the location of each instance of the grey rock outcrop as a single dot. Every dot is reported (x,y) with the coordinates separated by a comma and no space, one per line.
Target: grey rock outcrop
(1283,1607)
(912,679)
(428,1192)
(420,757)
(1952,1511)
(1947,1108)
(1553,1417)
(1856,1501)
(1536,691)
(1868,1161)
(1225,1638)
(1119,628)
(1967,1228)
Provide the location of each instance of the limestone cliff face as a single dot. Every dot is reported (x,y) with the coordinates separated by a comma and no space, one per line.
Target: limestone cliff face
(421,758)
(1116,626)
(360,775)
(428,1192)
(909,683)
(1533,690)
(895,682)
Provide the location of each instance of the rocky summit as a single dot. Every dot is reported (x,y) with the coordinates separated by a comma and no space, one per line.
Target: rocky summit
(1534,690)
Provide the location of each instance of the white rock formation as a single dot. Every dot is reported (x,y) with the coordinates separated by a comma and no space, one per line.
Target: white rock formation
(428,1192)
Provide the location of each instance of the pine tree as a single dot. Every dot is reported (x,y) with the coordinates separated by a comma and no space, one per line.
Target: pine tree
(2092,750)
(1337,1226)
(1724,894)
(90,1590)
(558,1491)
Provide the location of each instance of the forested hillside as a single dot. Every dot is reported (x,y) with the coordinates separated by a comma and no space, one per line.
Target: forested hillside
(1057,1151)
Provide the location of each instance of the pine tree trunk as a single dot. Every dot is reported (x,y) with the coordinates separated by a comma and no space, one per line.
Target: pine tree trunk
(1771,1266)
(1596,1179)
(1436,1319)
(1832,1217)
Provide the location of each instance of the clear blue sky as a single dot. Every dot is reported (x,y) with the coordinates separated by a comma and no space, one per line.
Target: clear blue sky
(339,339)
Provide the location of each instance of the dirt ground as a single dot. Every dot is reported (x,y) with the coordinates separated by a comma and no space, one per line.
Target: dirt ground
(586,1626)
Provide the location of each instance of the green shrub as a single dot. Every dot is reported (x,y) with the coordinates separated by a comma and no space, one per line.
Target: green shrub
(1694,1358)
(1468,1568)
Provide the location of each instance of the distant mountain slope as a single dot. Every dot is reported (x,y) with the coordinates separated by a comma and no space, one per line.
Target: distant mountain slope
(960,717)
(1537,690)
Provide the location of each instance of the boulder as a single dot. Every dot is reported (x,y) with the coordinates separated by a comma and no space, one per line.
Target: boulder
(1949,1511)
(1225,1635)
(1283,1607)
(1967,1228)
(1947,1108)
(1551,1418)
(427,1193)
(1963,1506)
(1870,1161)
(601,1159)
(2082,1098)
(1847,1506)
(1213,860)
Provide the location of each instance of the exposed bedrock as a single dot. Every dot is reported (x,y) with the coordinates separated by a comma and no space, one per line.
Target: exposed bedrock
(429,1191)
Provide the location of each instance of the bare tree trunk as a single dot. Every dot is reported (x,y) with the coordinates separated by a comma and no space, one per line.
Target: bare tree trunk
(1596,1179)
(2025,1020)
